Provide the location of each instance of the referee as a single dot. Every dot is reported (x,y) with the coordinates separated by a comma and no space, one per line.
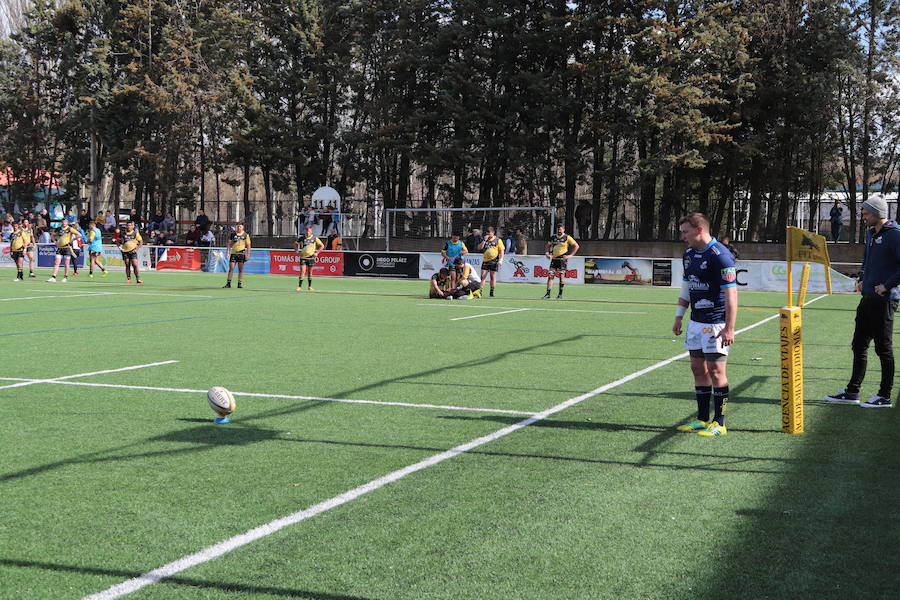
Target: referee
(878,281)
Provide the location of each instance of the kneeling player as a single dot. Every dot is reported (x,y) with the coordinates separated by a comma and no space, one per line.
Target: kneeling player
(439,286)
(240,254)
(468,281)
(709,288)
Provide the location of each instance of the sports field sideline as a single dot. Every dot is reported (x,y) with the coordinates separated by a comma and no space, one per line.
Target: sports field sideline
(387,446)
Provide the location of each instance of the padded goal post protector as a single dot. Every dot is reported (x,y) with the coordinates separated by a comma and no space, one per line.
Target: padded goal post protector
(791,369)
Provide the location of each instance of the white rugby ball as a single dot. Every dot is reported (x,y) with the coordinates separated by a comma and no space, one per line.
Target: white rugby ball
(221,401)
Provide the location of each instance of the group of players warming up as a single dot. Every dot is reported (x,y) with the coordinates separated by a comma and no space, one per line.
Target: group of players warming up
(458,279)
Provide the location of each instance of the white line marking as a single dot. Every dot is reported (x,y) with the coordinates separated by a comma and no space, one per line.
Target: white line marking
(262,395)
(65,296)
(578,310)
(65,377)
(505,312)
(86,293)
(226,546)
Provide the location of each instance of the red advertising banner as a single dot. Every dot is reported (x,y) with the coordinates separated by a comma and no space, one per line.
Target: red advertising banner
(287,262)
(179,259)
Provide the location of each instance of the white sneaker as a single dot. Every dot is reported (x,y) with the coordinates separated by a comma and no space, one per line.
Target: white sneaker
(64,279)
(52,280)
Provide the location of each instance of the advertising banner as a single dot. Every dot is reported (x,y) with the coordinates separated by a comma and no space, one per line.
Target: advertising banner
(381,264)
(5,258)
(286,262)
(179,259)
(772,276)
(112,258)
(628,271)
(515,267)
(46,256)
(216,261)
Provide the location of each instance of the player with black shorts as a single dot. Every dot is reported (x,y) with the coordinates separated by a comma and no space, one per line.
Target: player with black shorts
(28,233)
(493,250)
(240,254)
(560,248)
(129,241)
(17,246)
(709,287)
(64,238)
(468,282)
(308,247)
(439,285)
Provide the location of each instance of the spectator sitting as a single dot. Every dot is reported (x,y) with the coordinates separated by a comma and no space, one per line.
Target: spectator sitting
(44,237)
(169,223)
(193,236)
(202,221)
(154,237)
(473,239)
(208,238)
(167,239)
(100,220)
(70,216)
(110,222)
(43,220)
(156,221)
(136,218)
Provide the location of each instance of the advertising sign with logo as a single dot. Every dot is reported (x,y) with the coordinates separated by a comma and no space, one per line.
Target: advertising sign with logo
(772,276)
(46,256)
(112,258)
(630,271)
(179,259)
(381,264)
(5,258)
(287,262)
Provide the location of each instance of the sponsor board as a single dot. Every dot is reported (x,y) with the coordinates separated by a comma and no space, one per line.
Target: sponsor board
(381,264)
(771,276)
(515,267)
(287,262)
(631,271)
(112,258)
(46,256)
(179,259)
(5,257)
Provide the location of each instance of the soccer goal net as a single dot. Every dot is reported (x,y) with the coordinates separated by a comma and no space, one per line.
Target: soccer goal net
(536,222)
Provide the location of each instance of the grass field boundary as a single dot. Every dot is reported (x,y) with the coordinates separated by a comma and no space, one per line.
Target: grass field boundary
(221,548)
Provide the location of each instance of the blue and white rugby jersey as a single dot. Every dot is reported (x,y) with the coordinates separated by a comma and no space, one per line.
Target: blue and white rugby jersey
(708,272)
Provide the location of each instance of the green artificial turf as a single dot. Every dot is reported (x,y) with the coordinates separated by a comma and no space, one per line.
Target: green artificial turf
(604,499)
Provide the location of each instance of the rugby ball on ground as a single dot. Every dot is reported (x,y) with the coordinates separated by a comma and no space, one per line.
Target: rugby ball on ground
(221,401)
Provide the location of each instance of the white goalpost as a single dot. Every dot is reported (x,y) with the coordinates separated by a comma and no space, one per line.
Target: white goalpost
(536,222)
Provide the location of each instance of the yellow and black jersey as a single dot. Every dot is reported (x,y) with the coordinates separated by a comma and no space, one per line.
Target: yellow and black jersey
(307,246)
(17,241)
(129,241)
(561,244)
(464,271)
(492,249)
(65,237)
(28,237)
(240,243)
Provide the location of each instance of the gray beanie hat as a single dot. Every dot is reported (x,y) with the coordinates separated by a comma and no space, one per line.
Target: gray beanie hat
(877,206)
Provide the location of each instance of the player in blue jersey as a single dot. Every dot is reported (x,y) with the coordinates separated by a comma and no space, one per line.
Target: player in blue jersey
(709,288)
(453,249)
(93,239)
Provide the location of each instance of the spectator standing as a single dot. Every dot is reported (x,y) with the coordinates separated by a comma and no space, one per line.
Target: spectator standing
(44,238)
(135,218)
(100,220)
(70,217)
(326,219)
(336,221)
(521,242)
(473,239)
(7,228)
(510,242)
(583,219)
(202,221)
(836,216)
(84,220)
(878,281)
(169,222)
(726,241)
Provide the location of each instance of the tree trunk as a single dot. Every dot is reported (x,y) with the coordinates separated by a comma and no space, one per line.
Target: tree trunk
(648,188)
(756,198)
(246,190)
(612,188)
(597,188)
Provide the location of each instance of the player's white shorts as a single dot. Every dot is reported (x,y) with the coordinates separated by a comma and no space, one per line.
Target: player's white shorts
(702,336)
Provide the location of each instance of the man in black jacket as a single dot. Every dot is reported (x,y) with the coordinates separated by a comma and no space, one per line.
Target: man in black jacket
(878,281)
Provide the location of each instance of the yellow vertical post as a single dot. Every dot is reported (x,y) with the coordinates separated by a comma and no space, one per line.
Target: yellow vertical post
(791,370)
(804,283)
(790,279)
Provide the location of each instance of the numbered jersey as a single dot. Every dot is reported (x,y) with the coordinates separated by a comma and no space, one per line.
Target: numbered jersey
(130,241)
(492,249)
(560,245)
(308,246)
(240,242)
(708,273)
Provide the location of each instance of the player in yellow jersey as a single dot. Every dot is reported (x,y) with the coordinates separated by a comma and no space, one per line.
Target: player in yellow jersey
(467,279)
(129,241)
(308,247)
(64,238)
(560,248)
(240,253)
(17,246)
(493,249)
(30,245)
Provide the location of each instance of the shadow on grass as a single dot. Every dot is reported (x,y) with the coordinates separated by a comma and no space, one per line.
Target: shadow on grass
(178,580)
(829,529)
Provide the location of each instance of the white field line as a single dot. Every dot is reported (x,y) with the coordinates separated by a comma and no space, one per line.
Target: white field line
(501,411)
(578,310)
(105,371)
(86,293)
(63,296)
(503,312)
(215,551)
